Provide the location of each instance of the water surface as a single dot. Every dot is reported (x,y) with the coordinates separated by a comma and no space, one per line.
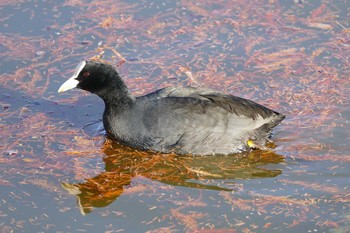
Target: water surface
(58,174)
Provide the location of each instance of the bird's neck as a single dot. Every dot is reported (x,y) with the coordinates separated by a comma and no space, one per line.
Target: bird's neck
(117,96)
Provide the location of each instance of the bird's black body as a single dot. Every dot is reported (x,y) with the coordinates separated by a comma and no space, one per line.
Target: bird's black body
(181,120)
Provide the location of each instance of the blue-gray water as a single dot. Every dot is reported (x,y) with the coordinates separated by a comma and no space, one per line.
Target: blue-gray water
(57,173)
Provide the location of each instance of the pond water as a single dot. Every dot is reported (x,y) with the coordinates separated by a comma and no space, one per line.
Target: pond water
(59,174)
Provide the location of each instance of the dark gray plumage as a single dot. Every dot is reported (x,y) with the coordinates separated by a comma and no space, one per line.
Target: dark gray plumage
(181,120)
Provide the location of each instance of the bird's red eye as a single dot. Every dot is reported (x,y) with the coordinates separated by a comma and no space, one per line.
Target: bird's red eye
(86,74)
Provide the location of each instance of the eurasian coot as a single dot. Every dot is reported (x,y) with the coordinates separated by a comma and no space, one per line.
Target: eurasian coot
(188,120)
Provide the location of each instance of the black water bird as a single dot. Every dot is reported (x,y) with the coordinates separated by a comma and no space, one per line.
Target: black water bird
(178,120)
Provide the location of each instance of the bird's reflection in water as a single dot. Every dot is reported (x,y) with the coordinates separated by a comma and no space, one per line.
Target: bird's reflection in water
(122,164)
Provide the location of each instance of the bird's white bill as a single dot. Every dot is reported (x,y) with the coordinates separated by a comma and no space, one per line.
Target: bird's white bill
(69,84)
(72,82)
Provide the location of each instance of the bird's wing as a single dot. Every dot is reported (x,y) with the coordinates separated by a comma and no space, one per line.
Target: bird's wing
(233,104)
